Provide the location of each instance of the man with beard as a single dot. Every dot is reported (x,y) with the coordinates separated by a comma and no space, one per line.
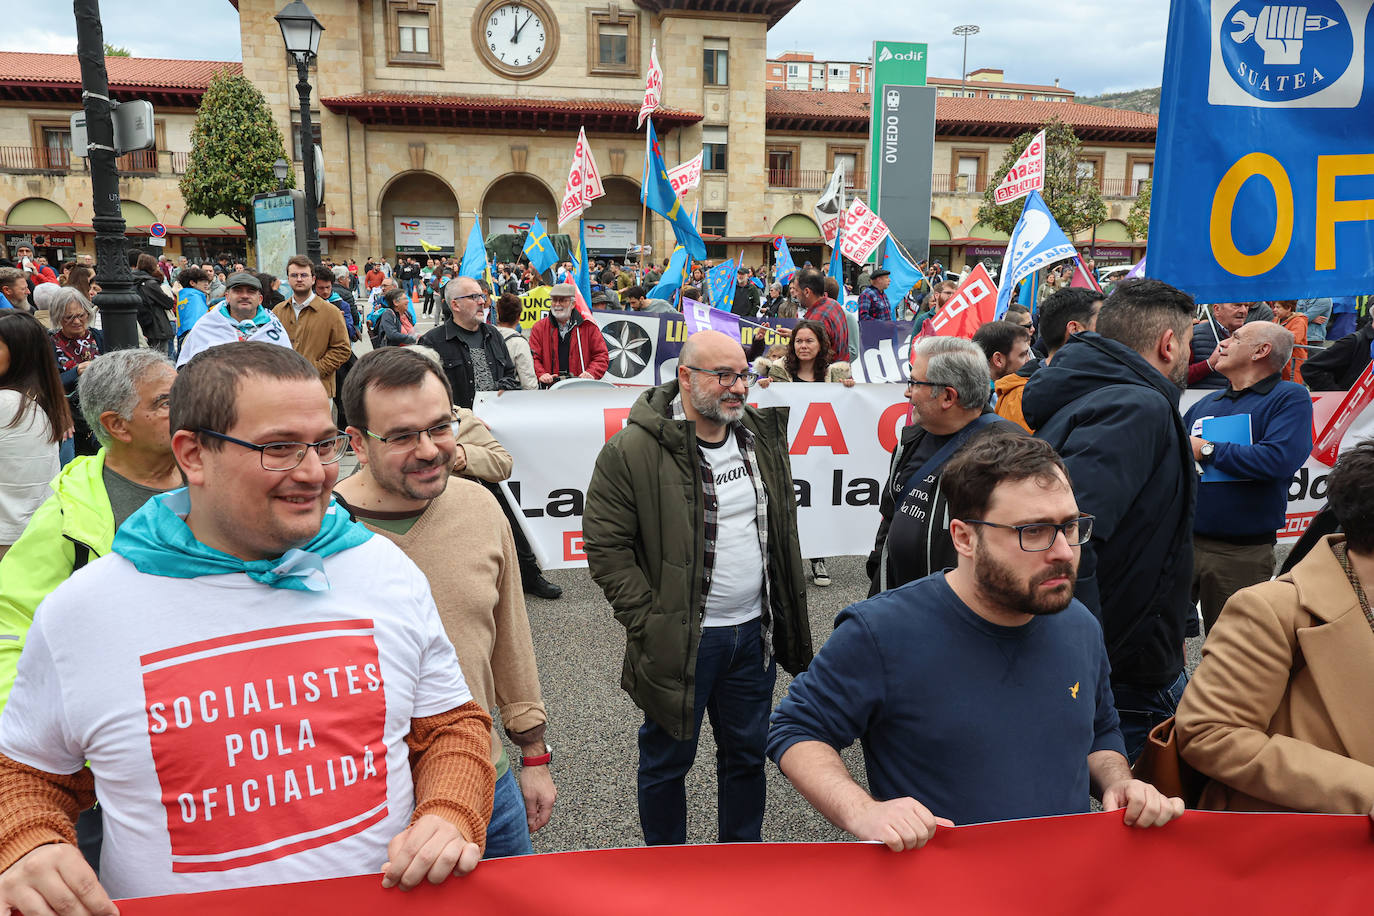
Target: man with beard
(1108,403)
(405,434)
(564,344)
(980,693)
(691,531)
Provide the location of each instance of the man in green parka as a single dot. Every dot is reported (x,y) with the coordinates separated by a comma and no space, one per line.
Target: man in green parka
(690,529)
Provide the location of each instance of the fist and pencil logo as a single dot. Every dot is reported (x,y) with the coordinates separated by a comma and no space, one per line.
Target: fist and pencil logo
(1287,55)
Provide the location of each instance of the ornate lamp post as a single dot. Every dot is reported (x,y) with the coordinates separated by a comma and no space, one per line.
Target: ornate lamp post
(300,30)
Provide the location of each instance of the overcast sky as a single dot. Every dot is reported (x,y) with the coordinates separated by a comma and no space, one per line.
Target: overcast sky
(1090,46)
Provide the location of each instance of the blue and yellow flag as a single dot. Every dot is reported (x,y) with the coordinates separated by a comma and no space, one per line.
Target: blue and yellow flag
(671,281)
(783,265)
(475,257)
(538,248)
(720,280)
(583,273)
(658,195)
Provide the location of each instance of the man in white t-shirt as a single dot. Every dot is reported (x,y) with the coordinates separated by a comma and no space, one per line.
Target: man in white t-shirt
(262,689)
(691,531)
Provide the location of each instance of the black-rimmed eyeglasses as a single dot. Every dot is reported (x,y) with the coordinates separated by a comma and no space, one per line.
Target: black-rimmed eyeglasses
(1038,536)
(727,378)
(287,456)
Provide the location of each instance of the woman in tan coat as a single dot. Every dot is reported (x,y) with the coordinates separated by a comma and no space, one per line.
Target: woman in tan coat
(1278,713)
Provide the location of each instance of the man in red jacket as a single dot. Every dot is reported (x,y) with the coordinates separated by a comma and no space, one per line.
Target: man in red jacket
(566,344)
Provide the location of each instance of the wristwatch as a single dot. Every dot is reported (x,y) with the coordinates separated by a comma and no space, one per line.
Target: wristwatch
(542,760)
(1205,453)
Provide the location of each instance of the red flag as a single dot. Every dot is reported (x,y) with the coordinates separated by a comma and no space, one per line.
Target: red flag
(973,305)
(1082,277)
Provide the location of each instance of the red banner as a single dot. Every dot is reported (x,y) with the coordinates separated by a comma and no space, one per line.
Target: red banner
(1091,864)
(973,305)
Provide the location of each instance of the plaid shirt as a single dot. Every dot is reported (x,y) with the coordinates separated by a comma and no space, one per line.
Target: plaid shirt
(710,514)
(873,305)
(831,314)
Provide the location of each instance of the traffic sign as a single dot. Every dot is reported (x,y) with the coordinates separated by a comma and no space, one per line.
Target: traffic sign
(158,230)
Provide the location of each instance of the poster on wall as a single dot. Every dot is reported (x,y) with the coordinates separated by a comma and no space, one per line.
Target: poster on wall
(418,234)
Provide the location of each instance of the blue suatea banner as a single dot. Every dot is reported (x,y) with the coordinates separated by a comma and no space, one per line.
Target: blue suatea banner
(1264,170)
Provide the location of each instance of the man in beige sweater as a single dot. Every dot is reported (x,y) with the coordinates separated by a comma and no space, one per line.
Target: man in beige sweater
(405,491)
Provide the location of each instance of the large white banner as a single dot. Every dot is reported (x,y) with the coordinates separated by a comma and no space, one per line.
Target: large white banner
(840,442)
(412,231)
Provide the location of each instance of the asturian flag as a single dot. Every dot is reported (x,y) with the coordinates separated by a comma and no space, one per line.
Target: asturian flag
(475,256)
(539,248)
(720,280)
(658,195)
(1036,242)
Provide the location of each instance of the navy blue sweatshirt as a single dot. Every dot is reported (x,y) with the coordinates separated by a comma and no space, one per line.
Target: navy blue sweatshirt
(978,722)
(1251,510)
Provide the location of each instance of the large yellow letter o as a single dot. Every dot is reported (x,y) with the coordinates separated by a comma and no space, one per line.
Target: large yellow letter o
(1224,249)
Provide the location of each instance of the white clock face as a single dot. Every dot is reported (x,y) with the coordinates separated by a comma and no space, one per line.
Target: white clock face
(515,34)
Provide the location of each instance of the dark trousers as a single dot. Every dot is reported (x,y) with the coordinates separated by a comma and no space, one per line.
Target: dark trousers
(1142,708)
(529,564)
(1221,569)
(734,686)
(90,836)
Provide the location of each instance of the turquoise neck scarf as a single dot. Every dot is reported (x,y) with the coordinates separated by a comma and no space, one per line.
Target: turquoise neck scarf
(157,541)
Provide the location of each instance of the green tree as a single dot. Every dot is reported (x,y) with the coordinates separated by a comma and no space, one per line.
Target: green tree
(1075,204)
(1138,220)
(233,145)
(113,51)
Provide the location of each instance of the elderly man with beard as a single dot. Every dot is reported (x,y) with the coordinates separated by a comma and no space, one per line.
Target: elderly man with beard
(691,531)
(564,344)
(980,693)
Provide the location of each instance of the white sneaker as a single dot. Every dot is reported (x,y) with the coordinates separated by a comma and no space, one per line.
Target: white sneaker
(818,574)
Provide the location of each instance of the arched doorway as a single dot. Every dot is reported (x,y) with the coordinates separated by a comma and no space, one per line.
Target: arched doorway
(612,222)
(28,221)
(418,209)
(940,249)
(511,204)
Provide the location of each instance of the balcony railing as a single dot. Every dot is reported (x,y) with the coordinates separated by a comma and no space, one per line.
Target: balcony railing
(34,159)
(809,179)
(1122,187)
(179,163)
(945,183)
(143,161)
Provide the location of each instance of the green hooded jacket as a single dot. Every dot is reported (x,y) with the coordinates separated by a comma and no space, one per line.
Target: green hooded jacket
(644,535)
(76,518)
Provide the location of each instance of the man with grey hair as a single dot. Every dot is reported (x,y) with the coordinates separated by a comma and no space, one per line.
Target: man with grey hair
(1242,499)
(124,397)
(948,387)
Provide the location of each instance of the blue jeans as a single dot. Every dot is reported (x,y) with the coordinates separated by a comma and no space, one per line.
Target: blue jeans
(1142,708)
(735,687)
(508,834)
(66,451)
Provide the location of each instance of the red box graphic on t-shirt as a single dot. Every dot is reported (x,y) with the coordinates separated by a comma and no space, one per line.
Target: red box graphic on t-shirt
(267,743)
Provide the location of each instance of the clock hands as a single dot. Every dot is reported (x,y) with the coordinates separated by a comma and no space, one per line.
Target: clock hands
(522,25)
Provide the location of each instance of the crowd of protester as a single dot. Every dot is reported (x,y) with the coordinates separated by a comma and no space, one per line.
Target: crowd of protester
(1052,528)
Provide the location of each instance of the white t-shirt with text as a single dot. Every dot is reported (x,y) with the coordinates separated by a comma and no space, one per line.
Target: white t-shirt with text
(238,734)
(735,594)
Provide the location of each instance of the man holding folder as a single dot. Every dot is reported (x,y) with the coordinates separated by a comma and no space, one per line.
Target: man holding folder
(1248,439)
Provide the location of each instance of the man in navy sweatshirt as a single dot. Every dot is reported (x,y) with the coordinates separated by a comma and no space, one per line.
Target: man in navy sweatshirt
(1243,496)
(979,693)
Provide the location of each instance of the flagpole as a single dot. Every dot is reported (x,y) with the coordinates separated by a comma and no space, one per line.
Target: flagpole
(644,199)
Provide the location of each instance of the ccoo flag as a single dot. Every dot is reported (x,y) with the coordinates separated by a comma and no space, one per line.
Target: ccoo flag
(1036,242)
(783,265)
(719,281)
(538,248)
(658,195)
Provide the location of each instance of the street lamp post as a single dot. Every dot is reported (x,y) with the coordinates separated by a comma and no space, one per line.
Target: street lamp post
(300,30)
(280,168)
(964,31)
(118,298)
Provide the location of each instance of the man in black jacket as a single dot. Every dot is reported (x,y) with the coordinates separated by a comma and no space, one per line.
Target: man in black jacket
(473,354)
(1108,403)
(1338,367)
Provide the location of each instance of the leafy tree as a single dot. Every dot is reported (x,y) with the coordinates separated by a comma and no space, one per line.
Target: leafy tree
(234,143)
(1138,220)
(113,51)
(1076,205)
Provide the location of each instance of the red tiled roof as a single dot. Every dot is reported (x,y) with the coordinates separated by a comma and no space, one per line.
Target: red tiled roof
(33,77)
(994,86)
(499,112)
(848,112)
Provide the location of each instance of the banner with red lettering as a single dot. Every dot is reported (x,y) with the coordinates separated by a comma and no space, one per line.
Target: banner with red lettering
(584,181)
(840,444)
(1028,174)
(973,306)
(653,86)
(864,231)
(687,176)
(1082,865)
